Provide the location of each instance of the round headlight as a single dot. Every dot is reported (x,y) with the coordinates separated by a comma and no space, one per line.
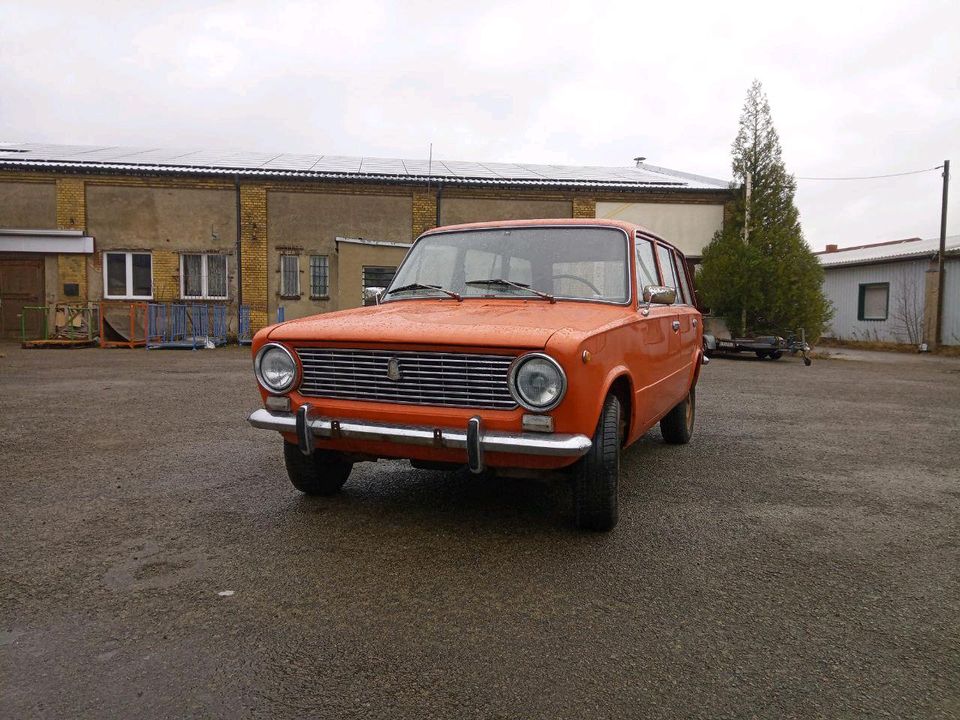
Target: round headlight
(538,382)
(275,367)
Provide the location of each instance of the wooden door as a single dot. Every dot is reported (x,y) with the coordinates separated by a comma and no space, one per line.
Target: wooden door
(21,285)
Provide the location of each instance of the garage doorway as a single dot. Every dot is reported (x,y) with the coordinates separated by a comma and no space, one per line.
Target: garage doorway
(21,285)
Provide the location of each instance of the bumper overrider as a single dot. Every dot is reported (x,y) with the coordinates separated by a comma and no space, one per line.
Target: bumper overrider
(473,438)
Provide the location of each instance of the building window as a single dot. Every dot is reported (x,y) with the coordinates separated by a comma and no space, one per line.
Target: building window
(127,276)
(290,276)
(376,278)
(203,276)
(873,302)
(319,276)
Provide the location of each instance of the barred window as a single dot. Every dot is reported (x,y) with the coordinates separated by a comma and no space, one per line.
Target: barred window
(203,276)
(290,275)
(376,278)
(319,276)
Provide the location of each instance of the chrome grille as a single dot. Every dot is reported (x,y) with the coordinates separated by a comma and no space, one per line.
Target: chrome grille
(426,378)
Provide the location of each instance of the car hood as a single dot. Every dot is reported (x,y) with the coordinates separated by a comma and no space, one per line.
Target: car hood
(483,322)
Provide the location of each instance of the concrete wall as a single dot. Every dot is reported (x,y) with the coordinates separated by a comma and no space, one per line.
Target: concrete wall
(455,210)
(309,223)
(689,226)
(135,218)
(28,205)
(166,221)
(907,280)
(352,258)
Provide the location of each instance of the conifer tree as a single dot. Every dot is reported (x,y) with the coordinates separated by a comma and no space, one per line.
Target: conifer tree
(771,281)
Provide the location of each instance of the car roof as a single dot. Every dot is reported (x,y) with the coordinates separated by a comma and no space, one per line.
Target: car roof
(627,227)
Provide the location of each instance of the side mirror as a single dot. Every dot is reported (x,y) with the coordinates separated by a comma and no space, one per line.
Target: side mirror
(373,295)
(659,295)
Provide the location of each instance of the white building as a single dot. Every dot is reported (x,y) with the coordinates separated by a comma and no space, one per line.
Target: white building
(880,292)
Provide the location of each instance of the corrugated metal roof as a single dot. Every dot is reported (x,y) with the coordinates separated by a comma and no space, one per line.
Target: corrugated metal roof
(883,252)
(334,167)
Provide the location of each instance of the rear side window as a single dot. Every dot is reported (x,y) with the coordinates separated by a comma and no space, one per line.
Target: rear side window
(666,267)
(646,267)
(682,275)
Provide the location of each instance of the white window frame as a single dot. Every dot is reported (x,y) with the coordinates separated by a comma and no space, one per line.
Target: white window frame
(285,292)
(204,277)
(128,255)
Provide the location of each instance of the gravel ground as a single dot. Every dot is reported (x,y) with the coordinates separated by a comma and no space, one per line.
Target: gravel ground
(799,558)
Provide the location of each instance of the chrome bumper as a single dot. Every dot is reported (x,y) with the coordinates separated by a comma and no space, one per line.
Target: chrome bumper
(474,439)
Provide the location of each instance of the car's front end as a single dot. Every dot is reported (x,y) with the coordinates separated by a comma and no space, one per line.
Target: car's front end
(479,405)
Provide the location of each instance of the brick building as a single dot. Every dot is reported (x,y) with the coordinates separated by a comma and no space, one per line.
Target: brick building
(304,232)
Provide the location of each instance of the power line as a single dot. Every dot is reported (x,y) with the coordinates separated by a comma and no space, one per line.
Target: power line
(874,177)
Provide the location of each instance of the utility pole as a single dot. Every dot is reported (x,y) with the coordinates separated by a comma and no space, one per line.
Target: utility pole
(943,250)
(746,239)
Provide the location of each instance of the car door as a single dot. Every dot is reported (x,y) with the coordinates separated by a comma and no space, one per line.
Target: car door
(651,358)
(691,338)
(675,383)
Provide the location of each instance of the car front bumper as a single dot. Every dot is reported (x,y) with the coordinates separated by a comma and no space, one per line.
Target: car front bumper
(474,438)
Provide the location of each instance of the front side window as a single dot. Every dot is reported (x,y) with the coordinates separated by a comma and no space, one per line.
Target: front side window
(290,276)
(319,276)
(128,276)
(573,263)
(203,276)
(874,301)
(646,266)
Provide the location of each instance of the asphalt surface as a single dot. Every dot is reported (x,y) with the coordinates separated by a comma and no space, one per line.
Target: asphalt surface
(800,558)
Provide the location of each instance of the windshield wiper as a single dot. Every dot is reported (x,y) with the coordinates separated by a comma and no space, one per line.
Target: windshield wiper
(421,286)
(523,286)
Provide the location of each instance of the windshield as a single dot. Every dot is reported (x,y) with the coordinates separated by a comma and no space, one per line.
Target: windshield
(576,263)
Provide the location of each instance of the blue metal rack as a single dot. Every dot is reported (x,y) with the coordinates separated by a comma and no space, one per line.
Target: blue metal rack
(186,326)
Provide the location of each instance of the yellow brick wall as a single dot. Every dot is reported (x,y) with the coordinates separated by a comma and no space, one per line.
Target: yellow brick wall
(253,246)
(72,269)
(424,212)
(166,276)
(584,208)
(71,204)
(71,215)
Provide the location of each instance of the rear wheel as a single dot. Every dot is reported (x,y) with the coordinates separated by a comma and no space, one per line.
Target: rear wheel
(677,426)
(322,473)
(597,475)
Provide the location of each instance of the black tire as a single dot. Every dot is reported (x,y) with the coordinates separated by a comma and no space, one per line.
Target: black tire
(677,426)
(761,354)
(597,474)
(322,473)
(776,354)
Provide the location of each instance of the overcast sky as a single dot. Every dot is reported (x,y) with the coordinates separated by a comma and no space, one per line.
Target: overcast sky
(855,89)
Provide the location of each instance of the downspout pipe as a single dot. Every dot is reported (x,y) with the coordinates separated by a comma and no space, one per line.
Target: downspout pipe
(236,185)
(439,198)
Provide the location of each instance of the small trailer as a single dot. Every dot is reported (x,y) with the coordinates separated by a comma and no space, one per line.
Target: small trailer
(763,346)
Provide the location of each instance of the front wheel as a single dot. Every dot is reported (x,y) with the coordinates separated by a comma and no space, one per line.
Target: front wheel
(322,473)
(597,474)
(677,426)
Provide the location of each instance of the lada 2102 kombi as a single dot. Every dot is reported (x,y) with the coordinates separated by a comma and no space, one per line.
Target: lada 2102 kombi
(528,346)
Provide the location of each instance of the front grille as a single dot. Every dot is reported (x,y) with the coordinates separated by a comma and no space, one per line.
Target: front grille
(426,378)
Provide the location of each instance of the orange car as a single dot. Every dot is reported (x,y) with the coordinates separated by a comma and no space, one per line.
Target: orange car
(523,347)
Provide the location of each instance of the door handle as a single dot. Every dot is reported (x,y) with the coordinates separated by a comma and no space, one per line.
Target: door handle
(676,325)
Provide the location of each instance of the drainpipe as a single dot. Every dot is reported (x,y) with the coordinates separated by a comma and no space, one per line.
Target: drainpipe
(439,196)
(236,185)
(943,250)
